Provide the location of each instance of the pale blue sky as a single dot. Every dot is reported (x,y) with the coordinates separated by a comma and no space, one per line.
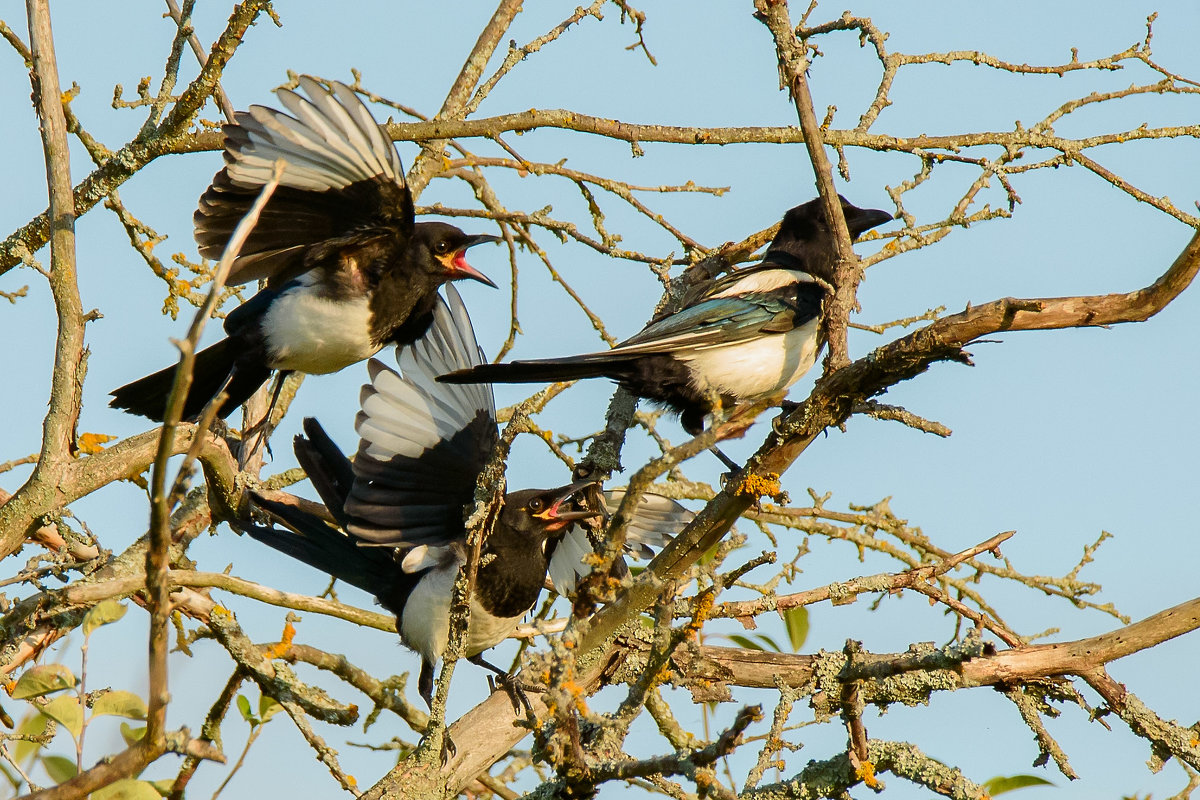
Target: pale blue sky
(1057,435)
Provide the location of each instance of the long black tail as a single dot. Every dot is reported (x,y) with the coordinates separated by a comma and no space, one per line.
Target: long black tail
(543,370)
(326,466)
(321,546)
(147,396)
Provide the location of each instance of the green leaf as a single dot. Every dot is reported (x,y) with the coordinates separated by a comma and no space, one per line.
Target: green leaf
(769,642)
(130,734)
(66,711)
(745,642)
(102,613)
(59,768)
(119,703)
(43,679)
(33,725)
(268,707)
(127,789)
(164,787)
(13,779)
(1001,784)
(796,620)
(243,704)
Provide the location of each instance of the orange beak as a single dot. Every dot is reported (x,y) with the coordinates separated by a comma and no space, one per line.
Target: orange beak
(556,519)
(456,262)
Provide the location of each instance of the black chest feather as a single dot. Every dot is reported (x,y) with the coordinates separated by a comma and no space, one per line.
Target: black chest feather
(379,263)
(508,584)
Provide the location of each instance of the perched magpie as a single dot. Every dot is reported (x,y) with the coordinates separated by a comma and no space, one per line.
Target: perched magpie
(347,268)
(740,338)
(400,504)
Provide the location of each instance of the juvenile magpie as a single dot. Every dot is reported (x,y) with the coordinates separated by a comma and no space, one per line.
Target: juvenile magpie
(347,268)
(740,338)
(400,504)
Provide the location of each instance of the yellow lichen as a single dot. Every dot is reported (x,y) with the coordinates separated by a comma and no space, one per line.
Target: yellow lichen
(92,443)
(759,485)
(284,644)
(865,771)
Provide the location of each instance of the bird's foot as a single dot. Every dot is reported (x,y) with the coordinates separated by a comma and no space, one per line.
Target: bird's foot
(516,692)
(733,466)
(448,749)
(785,407)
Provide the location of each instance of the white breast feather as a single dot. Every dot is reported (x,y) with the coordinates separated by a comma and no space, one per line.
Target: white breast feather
(311,333)
(425,623)
(756,368)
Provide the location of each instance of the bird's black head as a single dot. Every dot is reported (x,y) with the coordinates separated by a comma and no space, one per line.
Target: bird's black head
(804,239)
(807,221)
(445,248)
(541,513)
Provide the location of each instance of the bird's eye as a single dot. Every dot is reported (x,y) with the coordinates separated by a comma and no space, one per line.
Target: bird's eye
(536,505)
(442,247)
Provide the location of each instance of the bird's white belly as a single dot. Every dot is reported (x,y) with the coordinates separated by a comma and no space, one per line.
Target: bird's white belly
(425,623)
(756,368)
(313,334)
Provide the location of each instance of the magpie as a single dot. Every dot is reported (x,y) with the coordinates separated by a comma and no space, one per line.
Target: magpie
(398,507)
(347,269)
(739,338)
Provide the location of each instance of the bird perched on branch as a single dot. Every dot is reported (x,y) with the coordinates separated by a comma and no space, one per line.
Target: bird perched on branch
(400,504)
(347,268)
(740,338)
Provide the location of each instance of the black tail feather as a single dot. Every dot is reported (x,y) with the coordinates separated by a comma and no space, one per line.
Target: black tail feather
(147,396)
(326,466)
(542,371)
(323,547)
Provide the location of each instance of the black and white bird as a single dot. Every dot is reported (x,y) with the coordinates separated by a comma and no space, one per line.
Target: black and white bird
(348,270)
(741,338)
(399,506)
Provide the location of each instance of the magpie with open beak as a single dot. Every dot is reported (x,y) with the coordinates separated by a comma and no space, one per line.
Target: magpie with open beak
(398,507)
(741,338)
(347,268)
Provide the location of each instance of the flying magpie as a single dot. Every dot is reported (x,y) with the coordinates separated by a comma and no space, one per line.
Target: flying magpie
(740,338)
(398,506)
(347,269)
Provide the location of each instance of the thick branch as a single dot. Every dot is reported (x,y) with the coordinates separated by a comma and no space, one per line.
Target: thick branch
(66,389)
(566,119)
(126,459)
(793,63)
(761,669)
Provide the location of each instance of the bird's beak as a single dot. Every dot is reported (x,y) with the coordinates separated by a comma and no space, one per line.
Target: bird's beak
(555,517)
(458,265)
(865,219)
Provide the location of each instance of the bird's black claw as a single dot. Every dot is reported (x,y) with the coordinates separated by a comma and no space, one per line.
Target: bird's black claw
(785,407)
(516,693)
(448,750)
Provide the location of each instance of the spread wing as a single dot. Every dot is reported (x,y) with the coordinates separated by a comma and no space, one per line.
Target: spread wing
(655,521)
(423,443)
(341,175)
